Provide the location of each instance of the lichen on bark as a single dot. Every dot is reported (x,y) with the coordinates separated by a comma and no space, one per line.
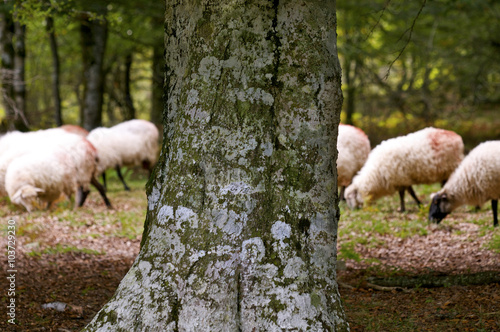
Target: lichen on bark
(241,228)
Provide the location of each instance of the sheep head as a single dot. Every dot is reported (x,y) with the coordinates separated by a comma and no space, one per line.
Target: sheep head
(353,197)
(440,207)
(26,196)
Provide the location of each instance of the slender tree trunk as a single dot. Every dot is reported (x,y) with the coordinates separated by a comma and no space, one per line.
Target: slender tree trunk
(93,34)
(241,228)
(13,54)
(19,67)
(56,73)
(350,91)
(7,67)
(128,104)
(157,103)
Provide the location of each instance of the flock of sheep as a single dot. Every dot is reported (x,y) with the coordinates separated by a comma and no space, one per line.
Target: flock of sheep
(430,155)
(45,164)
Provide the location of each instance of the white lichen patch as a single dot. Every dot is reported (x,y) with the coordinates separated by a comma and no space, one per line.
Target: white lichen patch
(253,250)
(230,222)
(280,230)
(154,197)
(237,188)
(295,269)
(180,215)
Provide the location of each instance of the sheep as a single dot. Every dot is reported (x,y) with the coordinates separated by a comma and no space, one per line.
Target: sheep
(67,167)
(427,156)
(130,143)
(353,148)
(475,181)
(15,145)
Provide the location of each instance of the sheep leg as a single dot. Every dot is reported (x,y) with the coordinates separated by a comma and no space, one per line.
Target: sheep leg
(119,172)
(81,196)
(402,199)
(494,207)
(101,190)
(104,181)
(342,193)
(412,194)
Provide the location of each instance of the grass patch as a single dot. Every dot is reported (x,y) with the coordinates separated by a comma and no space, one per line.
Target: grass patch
(63,249)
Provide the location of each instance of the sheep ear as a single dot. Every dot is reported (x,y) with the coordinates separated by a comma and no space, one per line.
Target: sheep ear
(432,195)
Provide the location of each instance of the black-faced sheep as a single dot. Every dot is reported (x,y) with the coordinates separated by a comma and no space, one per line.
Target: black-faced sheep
(475,181)
(427,156)
(353,148)
(130,143)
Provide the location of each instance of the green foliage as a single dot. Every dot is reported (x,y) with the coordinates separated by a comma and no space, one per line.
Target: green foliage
(408,61)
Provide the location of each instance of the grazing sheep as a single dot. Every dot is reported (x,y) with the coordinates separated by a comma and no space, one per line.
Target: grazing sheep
(131,143)
(475,181)
(67,167)
(16,144)
(353,148)
(427,156)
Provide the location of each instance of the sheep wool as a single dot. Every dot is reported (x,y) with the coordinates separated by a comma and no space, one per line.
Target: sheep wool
(427,156)
(353,148)
(474,182)
(16,144)
(130,143)
(46,173)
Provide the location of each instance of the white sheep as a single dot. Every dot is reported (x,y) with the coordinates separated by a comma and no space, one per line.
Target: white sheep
(48,171)
(475,181)
(353,148)
(15,144)
(130,143)
(427,156)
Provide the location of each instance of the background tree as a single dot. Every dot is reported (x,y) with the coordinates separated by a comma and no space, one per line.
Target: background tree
(241,226)
(57,70)
(94,35)
(13,54)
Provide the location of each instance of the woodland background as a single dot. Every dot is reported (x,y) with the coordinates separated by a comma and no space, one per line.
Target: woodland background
(406,64)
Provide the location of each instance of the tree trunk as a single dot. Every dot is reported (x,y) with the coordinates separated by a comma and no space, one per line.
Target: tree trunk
(93,32)
(12,55)
(241,228)
(128,109)
(56,73)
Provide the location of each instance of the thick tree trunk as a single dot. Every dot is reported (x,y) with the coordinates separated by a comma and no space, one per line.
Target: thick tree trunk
(56,73)
(241,228)
(93,32)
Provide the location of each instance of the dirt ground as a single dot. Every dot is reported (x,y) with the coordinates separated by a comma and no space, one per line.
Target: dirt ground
(85,279)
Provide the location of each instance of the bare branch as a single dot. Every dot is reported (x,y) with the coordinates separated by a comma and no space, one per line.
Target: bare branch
(410,29)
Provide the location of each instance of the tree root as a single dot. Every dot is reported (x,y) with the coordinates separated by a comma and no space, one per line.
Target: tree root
(441,280)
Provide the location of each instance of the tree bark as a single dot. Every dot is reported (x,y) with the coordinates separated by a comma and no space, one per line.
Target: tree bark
(57,70)
(93,32)
(241,228)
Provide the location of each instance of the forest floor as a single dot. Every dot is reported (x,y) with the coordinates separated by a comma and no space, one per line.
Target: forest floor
(78,257)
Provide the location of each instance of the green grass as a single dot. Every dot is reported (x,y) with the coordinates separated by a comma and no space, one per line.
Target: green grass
(63,249)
